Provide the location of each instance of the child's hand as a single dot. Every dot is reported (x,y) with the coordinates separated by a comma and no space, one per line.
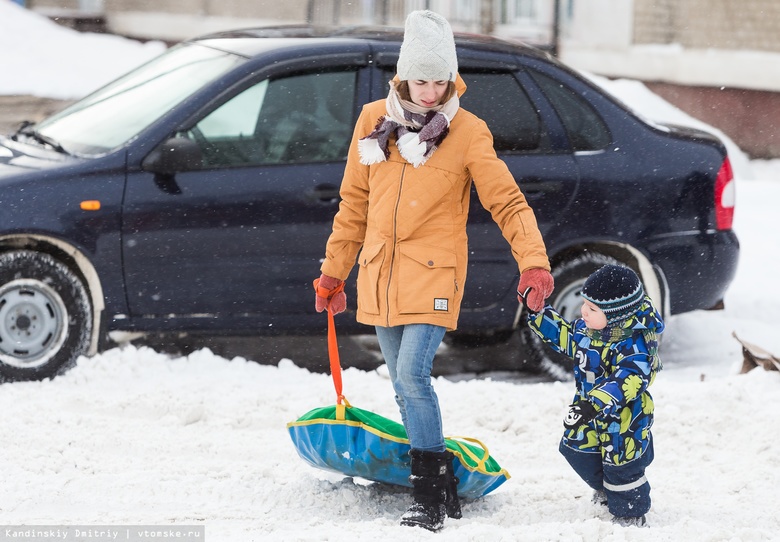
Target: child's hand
(579,414)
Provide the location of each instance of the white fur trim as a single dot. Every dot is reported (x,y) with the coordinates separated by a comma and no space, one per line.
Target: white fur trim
(370,152)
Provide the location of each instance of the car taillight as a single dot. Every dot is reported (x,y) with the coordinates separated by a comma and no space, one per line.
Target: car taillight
(725,193)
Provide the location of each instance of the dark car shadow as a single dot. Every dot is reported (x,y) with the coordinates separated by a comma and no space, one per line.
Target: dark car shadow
(501,361)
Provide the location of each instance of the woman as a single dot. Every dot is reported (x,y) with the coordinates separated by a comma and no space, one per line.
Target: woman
(405,200)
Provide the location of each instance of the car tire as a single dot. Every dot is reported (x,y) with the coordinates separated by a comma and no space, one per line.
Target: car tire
(566,298)
(45,316)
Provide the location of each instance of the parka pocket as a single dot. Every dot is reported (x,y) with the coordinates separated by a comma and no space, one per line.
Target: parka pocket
(426,280)
(370,265)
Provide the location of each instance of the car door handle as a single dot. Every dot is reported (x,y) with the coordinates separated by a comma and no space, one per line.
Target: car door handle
(536,186)
(325,192)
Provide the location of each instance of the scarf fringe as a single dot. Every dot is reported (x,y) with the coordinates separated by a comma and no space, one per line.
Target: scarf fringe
(370,152)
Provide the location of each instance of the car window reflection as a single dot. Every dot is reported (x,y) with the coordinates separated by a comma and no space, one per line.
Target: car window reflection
(303,118)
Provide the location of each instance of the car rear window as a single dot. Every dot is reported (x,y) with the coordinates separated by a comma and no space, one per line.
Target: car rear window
(584,127)
(499,100)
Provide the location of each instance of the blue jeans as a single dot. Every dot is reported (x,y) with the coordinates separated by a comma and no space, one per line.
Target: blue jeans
(408,351)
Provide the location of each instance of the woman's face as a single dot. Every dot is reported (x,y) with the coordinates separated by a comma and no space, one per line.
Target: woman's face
(593,316)
(427,93)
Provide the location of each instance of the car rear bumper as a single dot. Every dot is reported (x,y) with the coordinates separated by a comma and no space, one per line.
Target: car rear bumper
(698,267)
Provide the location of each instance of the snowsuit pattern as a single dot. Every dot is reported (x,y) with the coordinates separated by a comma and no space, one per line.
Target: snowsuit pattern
(613,369)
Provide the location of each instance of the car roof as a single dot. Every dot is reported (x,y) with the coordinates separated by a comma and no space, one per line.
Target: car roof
(253,41)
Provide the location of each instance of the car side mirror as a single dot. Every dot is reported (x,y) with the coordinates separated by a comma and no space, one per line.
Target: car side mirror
(173,155)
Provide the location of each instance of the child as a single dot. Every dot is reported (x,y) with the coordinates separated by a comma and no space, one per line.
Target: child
(607,429)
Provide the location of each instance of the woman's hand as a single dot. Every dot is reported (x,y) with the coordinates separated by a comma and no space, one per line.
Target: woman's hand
(535,286)
(329,294)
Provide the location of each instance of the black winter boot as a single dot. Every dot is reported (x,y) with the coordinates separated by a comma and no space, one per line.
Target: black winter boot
(452,503)
(429,483)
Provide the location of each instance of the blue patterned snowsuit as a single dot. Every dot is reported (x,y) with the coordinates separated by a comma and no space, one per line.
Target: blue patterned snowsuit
(613,369)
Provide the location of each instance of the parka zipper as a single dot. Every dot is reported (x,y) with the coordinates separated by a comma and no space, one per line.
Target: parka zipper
(395,240)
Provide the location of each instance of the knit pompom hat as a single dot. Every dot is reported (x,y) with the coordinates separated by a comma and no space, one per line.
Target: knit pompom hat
(428,49)
(616,290)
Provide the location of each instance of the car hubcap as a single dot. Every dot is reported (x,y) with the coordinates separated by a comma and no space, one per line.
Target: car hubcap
(32,323)
(569,301)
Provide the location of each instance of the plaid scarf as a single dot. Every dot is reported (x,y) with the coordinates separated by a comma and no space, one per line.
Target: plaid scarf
(418,130)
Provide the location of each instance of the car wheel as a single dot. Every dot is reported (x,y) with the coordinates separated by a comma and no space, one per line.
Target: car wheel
(45,316)
(567,299)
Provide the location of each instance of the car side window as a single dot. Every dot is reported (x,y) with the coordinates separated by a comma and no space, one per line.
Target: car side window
(584,127)
(301,118)
(499,100)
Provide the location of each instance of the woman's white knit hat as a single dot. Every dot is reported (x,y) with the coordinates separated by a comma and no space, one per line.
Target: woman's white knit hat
(428,50)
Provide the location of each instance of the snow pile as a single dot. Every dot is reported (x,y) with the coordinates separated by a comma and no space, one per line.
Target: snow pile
(41,58)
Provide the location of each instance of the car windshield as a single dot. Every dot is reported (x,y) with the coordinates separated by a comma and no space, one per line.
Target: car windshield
(118,112)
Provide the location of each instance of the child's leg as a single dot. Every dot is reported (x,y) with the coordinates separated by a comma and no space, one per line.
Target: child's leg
(586,463)
(627,488)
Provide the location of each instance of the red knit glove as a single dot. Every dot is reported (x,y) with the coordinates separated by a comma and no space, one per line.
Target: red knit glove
(535,286)
(329,295)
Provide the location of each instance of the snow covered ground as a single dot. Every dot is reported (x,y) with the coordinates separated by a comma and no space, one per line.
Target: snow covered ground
(134,437)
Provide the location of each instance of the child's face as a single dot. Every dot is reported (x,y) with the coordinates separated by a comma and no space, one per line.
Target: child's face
(593,316)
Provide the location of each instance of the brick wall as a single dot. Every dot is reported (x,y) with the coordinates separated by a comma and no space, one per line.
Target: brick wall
(709,24)
(653,21)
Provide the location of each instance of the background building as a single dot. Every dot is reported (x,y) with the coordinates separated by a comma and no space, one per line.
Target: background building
(718,60)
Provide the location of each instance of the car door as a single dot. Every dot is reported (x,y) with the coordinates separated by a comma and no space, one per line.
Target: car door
(243,234)
(526,138)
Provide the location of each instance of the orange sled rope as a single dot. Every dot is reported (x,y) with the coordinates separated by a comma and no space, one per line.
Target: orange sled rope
(333,347)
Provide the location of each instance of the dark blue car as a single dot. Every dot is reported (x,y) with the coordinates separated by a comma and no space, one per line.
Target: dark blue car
(196,194)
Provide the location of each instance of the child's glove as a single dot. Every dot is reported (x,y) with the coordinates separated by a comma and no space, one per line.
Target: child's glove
(535,286)
(579,414)
(329,294)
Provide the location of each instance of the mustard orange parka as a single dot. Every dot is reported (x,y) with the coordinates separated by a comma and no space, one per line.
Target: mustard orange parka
(409,224)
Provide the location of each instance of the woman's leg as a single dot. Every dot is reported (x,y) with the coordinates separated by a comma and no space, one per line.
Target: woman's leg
(409,351)
(390,343)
